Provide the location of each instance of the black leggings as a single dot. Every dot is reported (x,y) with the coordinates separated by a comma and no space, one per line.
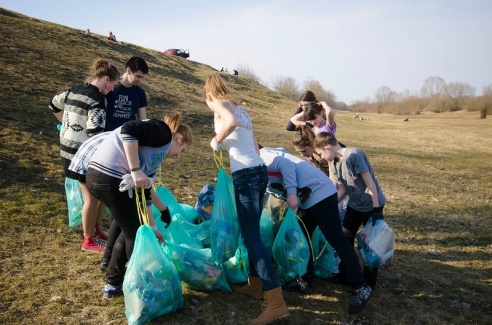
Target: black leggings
(327,217)
(353,221)
(125,216)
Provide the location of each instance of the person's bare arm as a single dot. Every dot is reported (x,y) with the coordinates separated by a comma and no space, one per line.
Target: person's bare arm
(371,186)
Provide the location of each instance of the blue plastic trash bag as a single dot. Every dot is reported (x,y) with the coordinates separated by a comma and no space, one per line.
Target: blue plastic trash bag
(376,244)
(290,249)
(324,256)
(196,268)
(151,286)
(225,224)
(177,233)
(205,201)
(169,200)
(237,267)
(266,230)
(75,202)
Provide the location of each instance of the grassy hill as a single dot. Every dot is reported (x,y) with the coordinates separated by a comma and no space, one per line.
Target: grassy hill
(435,170)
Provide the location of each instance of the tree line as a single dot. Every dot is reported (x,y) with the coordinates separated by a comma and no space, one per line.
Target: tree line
(436,95)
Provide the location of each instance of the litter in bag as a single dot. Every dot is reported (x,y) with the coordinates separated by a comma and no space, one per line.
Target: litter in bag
(324,256)
(290,249)
(205,201)
(237,267)
(75,202)
(376,244)
(196,268)
(225,224)
(266,230)
(151,285)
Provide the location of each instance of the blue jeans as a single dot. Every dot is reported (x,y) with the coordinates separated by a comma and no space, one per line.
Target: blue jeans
(250,186)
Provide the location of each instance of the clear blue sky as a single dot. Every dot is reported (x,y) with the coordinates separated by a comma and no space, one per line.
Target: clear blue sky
(351,47)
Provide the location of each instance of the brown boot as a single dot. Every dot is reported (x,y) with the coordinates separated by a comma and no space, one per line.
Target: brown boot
(253,289)
(275,308)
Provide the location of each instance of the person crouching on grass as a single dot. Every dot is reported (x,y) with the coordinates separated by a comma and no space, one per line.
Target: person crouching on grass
(354,177)
(137,148)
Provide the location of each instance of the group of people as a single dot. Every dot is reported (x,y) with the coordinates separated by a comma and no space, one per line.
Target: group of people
(106,138)
(111,36)
(235,72)
(330,172)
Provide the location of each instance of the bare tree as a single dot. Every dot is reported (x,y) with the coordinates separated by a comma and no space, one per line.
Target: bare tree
(321,93)
(248,72)
(433,86)
(458,92)
(487,90)
(286,86)
(383,96)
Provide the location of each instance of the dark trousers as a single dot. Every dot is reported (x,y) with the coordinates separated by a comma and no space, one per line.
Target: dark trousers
(353,221)
(327,217)
(125,216)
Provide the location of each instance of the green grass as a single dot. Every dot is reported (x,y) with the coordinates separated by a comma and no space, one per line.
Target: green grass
(436,172)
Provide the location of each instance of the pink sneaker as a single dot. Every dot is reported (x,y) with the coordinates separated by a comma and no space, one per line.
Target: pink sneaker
(100,233)
(93,245)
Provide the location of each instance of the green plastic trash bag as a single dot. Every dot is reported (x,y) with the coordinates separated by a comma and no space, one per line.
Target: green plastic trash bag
(290,250)
(169,200)
(151,286)
(225,224)
(266,230)
(177,232)
(196,268)
(237,267)
(324,256)
(75,202)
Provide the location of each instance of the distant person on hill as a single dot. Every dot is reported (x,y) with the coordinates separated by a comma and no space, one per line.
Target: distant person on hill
(222,69)
(88,32)
(354,177)
(137,148)
(126,102)
(82,111)
(111,37)
(234,132)
(236,72)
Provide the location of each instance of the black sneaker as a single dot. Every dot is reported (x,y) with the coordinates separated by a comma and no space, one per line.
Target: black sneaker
(297,285)
(104,264)
(358,299)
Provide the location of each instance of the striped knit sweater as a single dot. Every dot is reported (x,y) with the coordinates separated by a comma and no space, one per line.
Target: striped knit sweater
(84,115)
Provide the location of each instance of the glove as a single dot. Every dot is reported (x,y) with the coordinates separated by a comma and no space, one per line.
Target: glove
(127,185)
(377,214)
(278,191)
(303,193)
(166,217)
(215,145)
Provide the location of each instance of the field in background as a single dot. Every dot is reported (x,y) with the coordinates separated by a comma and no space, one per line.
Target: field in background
(435,169)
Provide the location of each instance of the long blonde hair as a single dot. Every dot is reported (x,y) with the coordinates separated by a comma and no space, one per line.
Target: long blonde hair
(174,123)
(216,87)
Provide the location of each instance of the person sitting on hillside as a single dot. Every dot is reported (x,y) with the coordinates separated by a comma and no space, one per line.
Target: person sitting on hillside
(111,37)
(236,72)
(88,32)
